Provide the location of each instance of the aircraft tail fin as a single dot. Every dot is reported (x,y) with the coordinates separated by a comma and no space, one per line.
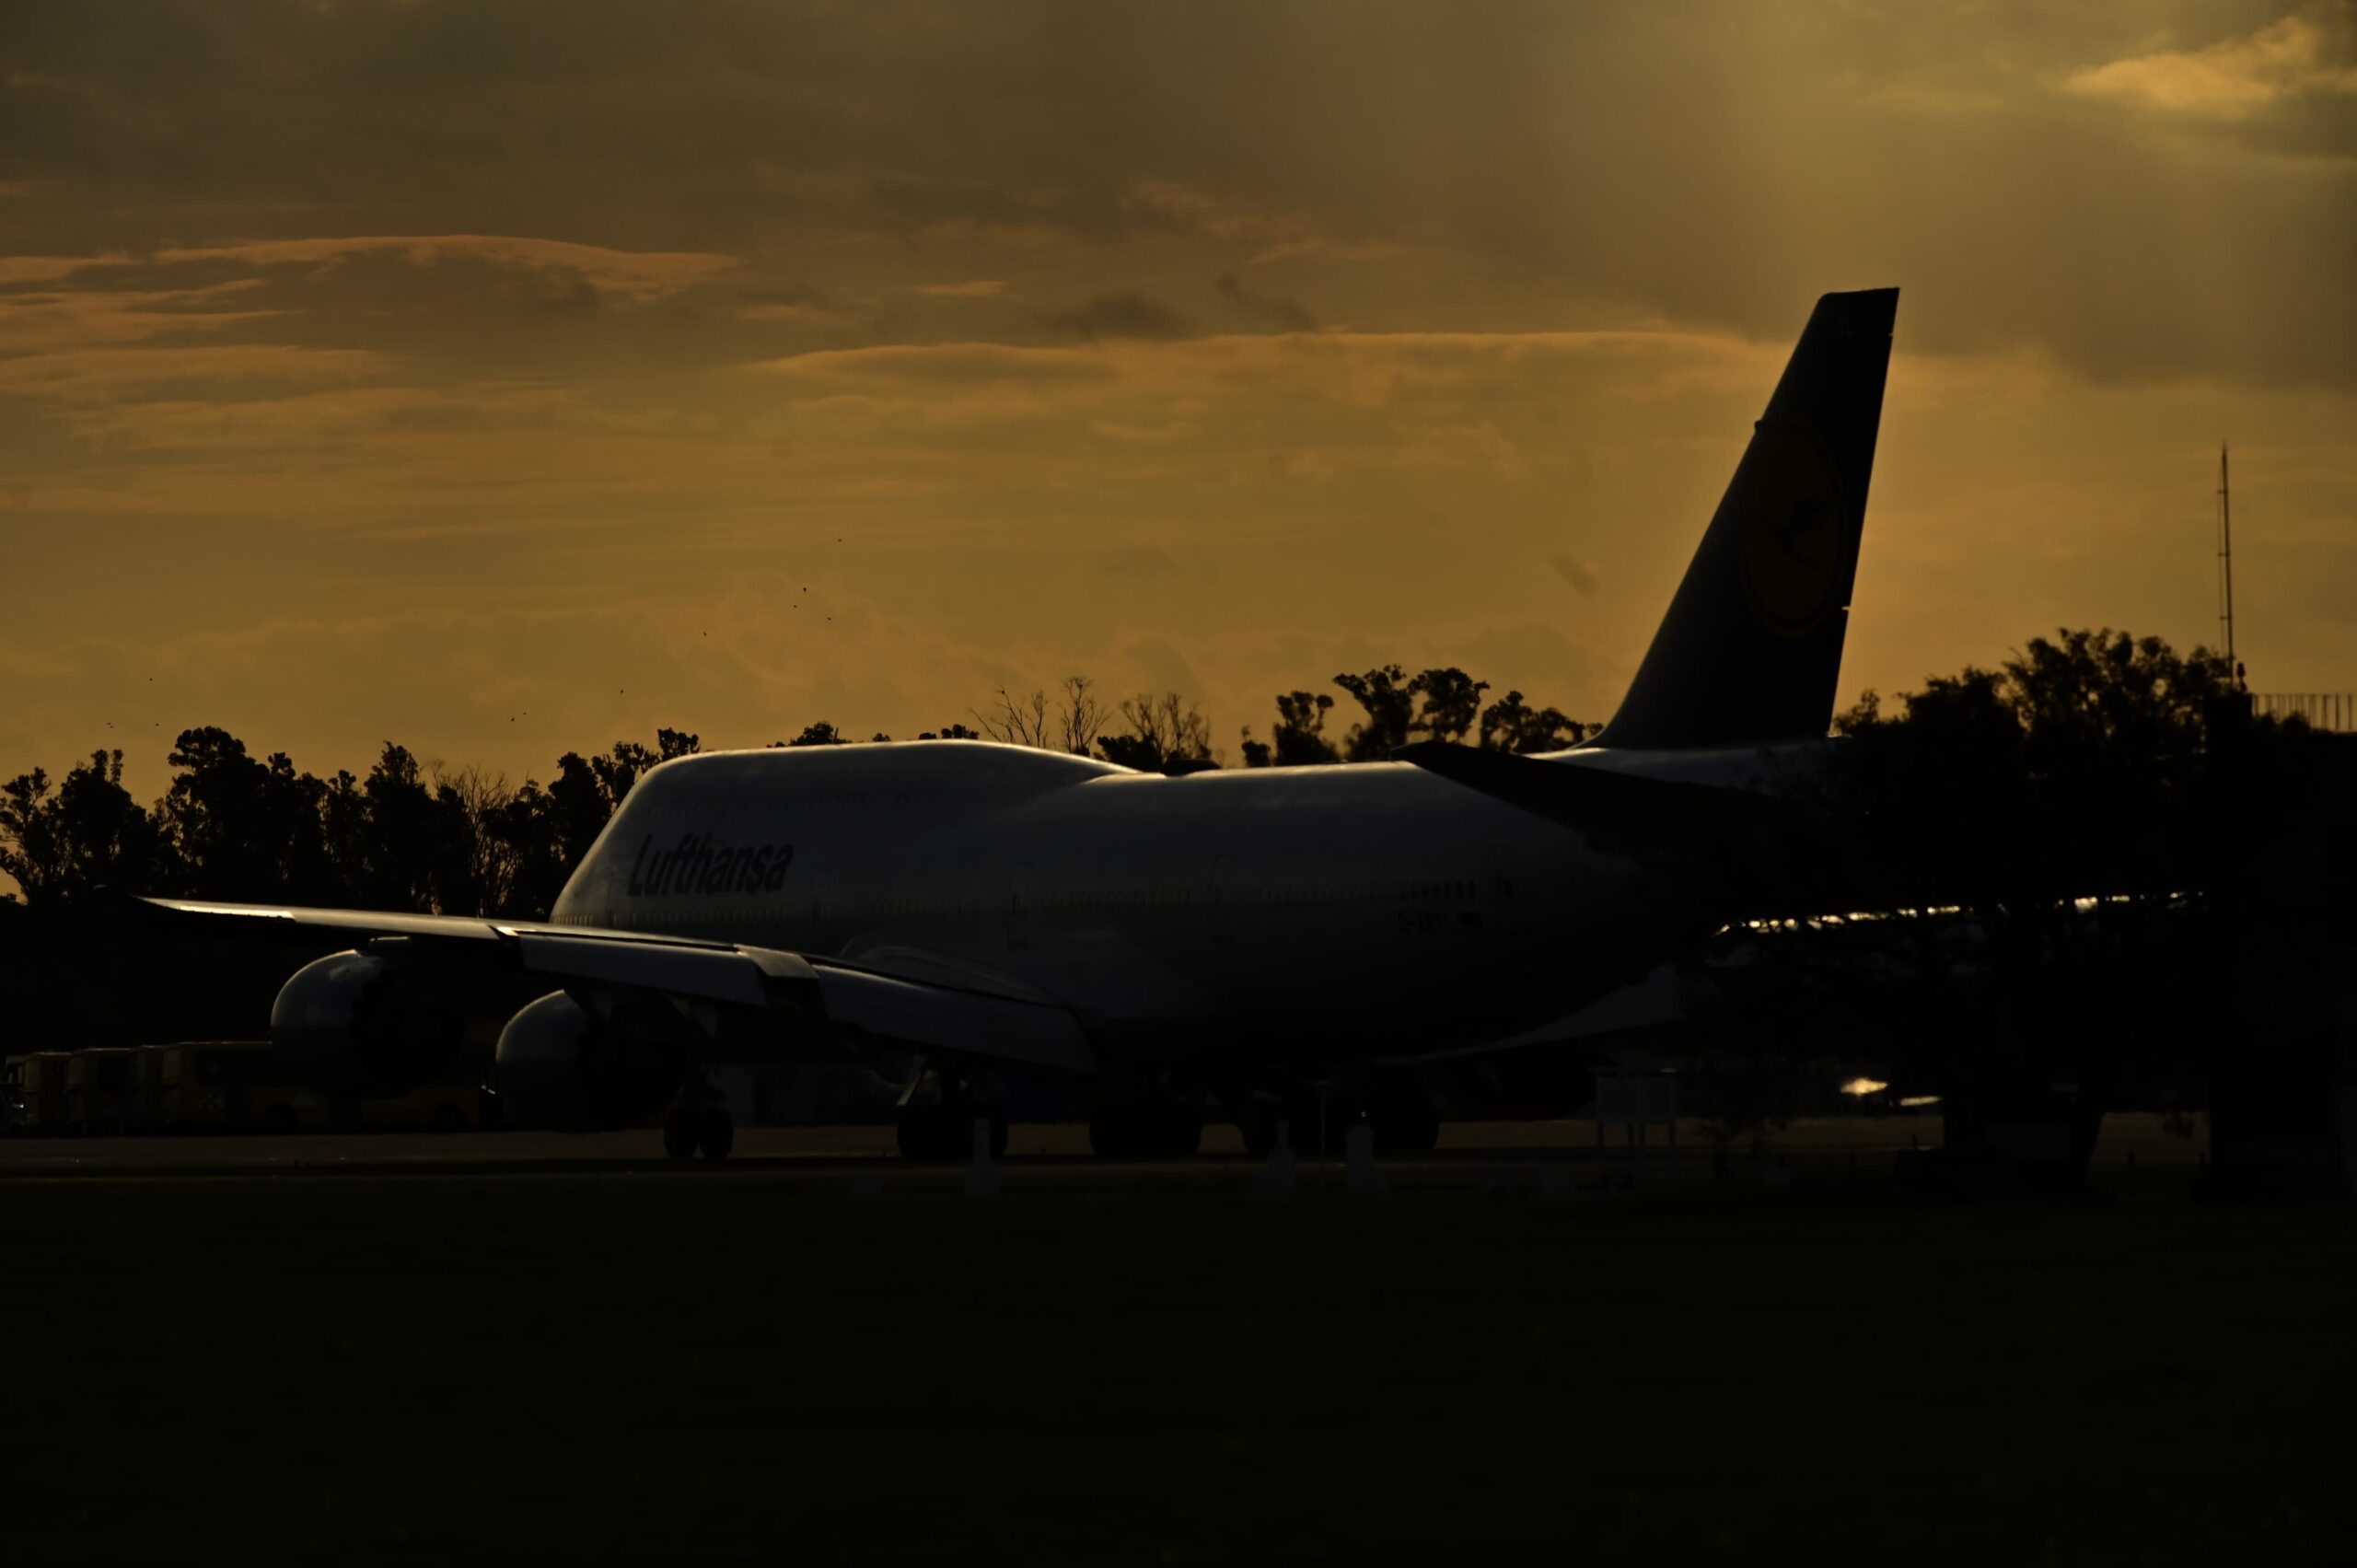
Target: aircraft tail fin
(1750,651)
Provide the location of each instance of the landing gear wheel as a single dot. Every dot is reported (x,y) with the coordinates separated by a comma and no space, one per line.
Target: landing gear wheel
(680,1134)
(715,1133)
(1409,1125)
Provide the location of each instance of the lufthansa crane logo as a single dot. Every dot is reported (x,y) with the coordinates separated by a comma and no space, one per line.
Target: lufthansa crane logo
(1796,530)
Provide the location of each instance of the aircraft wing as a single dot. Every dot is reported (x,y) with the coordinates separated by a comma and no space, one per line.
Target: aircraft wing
(930,1005)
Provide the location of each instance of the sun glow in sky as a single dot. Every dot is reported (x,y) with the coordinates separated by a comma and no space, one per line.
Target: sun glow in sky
(508,376)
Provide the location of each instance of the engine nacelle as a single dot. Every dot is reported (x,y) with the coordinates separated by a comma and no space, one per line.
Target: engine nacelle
(560,1066)
(355,1023)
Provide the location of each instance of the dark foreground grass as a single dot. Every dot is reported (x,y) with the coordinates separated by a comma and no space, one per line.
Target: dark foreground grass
(673,1370)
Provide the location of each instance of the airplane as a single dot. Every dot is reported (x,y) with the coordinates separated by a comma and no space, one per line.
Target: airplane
(950,912)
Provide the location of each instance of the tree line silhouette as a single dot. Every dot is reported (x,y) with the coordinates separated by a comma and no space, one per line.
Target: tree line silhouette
(2058,859)
(2033,855)
(410,835)
(1984,783)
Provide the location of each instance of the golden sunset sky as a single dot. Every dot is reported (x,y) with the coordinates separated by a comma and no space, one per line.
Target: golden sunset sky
(506,378)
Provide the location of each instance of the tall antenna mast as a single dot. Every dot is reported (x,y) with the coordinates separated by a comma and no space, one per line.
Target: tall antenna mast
(2226,566)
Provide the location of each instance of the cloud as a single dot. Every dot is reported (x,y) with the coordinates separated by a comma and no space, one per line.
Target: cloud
(799,303)
(788,293)
(1360,366)
(2313,50)
(1017,215)
(1480,167)
(1572,571)
(1293,405)
(1160,667)
(953,362)
(345,419)
(1277,235)
(1114,430)
(803,315)
(1122,316)
(1288,316)
(1135,560)
(1558,254)
(638,276)
(1537,659)
(73,319)
(50,268)
(107,371)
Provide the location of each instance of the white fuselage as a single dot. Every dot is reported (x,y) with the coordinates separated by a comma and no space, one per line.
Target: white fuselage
(1366,908)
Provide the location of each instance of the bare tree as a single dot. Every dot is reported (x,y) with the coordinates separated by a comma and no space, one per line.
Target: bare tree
(1016,720)
(1161,734)
(1083,715)
(488,860)
(1068,723)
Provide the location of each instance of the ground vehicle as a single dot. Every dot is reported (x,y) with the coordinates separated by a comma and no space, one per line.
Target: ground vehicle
(230,1085)
(102,1089)
(35,1087)
(440,1108)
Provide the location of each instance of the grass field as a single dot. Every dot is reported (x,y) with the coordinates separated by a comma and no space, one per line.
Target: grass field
(636,1368)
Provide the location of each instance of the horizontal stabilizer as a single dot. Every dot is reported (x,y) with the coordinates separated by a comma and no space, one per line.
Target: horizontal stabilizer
(1617,808)
(1747,842)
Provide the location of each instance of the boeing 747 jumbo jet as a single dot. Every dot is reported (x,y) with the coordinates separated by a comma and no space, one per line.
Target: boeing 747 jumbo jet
(950,912)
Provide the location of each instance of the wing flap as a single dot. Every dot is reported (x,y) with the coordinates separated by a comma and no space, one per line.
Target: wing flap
(965,1022)
(709,974)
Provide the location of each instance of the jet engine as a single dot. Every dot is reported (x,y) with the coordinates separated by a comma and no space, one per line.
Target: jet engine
(358,1023)
(560,1065)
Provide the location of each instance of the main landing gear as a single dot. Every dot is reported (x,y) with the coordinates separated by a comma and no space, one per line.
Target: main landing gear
(699,1127)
